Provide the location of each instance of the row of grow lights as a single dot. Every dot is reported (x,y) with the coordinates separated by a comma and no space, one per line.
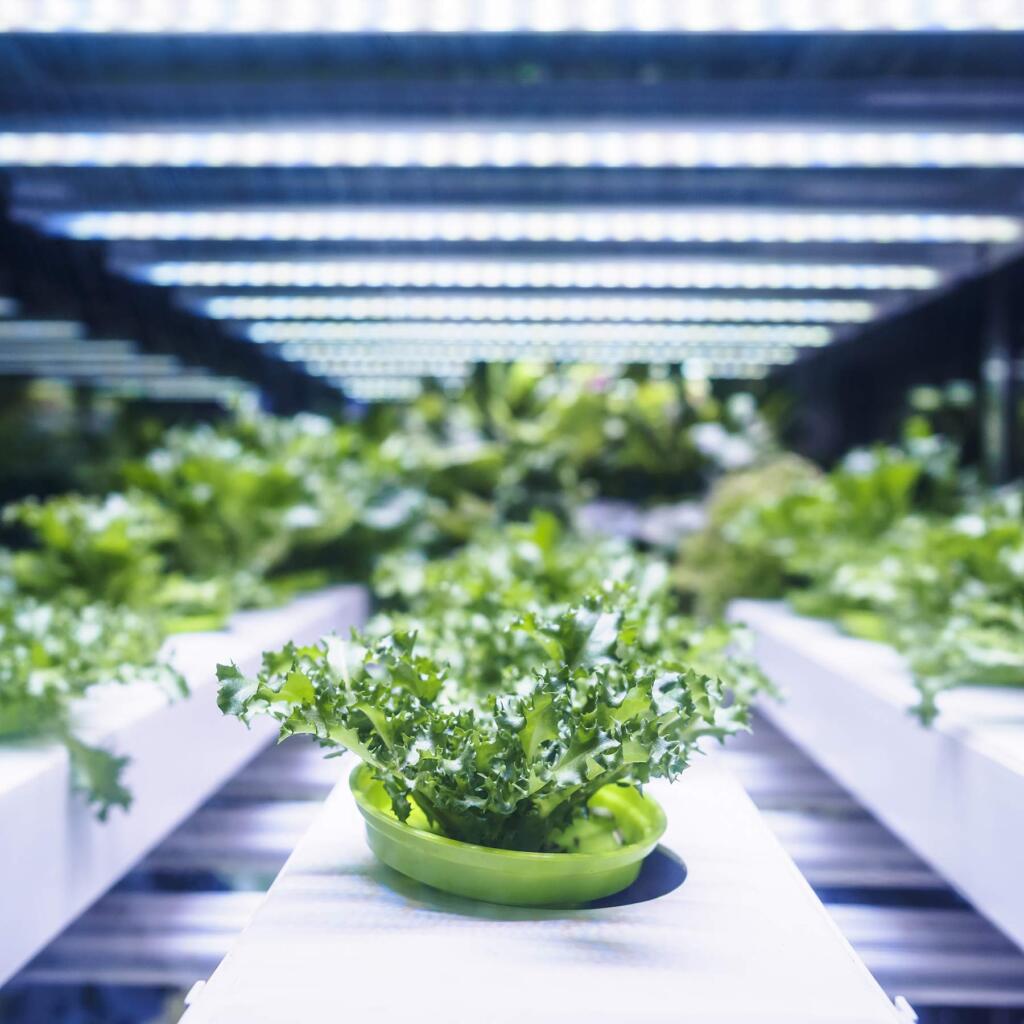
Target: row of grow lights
(447,349)
(407,354)
(345,326)
(398,381)
(467,318)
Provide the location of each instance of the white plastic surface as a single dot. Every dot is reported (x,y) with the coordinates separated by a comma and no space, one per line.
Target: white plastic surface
(743,940)
(953,792)
(55,857)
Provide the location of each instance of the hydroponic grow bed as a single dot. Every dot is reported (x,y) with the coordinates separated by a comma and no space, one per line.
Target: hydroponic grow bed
(953,792)
(56,857)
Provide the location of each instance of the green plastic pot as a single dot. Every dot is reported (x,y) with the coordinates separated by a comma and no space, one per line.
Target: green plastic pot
(508,876)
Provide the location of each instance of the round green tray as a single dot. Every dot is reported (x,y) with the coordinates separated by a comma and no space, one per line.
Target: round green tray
(509,876)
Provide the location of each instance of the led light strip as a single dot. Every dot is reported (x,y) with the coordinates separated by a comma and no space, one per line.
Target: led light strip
(521,224)
(176,389)
(474,350)
(534,334)
(32,353)
(496,16)
(379,389)
(413,359)
(423,368)
(194,380)
(58,346)
(625,273)
(40,330)
(539,308)
(702,369)
(567,145)
(391,388)
(84,368)
(404,355)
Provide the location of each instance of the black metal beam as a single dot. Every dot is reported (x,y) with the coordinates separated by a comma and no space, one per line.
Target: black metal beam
(40,105)
(1002,328)
(52,60)
(55,278)
(854,391)
(948,190)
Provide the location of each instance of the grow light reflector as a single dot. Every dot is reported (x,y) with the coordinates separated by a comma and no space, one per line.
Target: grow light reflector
(536,308)
(546,145)
(529,224)
(397,17)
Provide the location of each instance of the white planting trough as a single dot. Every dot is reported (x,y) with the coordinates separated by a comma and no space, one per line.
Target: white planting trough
(743,940)
(953,792)
(55,857)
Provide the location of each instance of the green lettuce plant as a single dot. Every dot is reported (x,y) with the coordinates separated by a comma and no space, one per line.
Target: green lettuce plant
(515,770)
(51,655)
(895,545)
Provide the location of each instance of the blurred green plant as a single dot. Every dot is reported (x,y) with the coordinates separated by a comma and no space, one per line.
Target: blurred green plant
(895,544)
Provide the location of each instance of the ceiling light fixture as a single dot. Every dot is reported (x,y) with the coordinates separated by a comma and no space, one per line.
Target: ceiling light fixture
(591,17)
(534,334)
(548,144)
(544,307)
(527,224)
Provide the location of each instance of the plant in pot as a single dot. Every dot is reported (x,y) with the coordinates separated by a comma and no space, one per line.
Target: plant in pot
(530,796)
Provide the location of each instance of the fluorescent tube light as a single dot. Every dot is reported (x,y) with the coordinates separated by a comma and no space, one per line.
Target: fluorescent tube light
(399,17)
(534,334)
(616,273)
(494,145)
(530,224)
(535,308)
